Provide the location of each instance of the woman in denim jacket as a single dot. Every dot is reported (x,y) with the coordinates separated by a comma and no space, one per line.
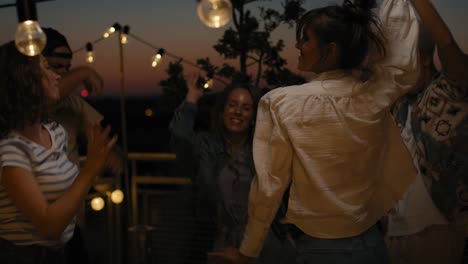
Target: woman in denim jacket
(224,168)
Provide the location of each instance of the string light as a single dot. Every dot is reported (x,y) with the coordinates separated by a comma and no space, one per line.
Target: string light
(124,35)
(111,30)
(149,112)
(97,203)
(29,37)
(117,196)
(157,58)
(214,13)
(89,53)
(208,84)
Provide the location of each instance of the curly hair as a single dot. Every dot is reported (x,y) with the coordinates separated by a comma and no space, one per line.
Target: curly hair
(22,97)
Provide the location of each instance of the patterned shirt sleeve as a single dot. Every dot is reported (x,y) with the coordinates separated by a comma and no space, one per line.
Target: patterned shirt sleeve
(456,90)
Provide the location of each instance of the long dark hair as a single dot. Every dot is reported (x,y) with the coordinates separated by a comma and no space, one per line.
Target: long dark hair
(352,26)
(221,101)
(22,97)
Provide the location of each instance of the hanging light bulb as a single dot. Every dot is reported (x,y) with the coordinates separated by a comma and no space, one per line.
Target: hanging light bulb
(214,13)
(111,30)
(149,112)
(117,196)
(157,58)
(89,53)
(124,35)
(208,84)
(97,203)
(29,37)
(123,39)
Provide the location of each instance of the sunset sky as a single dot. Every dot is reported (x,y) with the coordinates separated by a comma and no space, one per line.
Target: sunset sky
(169,24)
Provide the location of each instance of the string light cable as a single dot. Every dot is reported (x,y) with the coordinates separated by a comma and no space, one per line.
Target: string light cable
(157,55)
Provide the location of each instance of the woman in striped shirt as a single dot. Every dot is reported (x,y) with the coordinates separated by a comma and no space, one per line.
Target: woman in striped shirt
(40,189)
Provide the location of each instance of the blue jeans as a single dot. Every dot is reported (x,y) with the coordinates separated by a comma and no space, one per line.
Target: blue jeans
(366,248)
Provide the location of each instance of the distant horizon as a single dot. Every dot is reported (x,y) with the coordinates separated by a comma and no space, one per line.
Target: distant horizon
(172,25)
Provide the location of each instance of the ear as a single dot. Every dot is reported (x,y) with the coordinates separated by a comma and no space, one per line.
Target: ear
(331,52)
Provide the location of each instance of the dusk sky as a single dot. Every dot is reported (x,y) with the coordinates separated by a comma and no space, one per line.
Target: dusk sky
(169,24)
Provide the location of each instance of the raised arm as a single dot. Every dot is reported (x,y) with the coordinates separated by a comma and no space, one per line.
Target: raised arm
(181,126)
(397,72)
(401,28)
(82,75)
(454,61)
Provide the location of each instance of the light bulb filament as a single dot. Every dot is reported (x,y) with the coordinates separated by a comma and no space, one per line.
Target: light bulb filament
(29,38)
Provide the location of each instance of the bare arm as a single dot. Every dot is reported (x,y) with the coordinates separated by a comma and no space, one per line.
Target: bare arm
(80,75)
(182,123)
(51,219)
(193,92)
(454,61)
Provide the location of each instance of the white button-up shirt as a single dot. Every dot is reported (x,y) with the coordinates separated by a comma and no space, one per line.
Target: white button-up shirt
(334,144)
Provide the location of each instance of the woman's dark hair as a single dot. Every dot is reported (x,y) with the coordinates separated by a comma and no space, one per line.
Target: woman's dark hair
(221,101)
(352,26)
(22,97)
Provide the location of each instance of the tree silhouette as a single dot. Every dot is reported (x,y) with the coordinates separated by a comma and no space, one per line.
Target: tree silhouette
(174,89)
(250,41)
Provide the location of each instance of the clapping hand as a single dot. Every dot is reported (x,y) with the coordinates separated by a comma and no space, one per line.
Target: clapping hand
(194,93)
(99,146)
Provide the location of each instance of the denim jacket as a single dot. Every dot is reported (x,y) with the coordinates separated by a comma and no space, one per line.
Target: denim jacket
(203,156)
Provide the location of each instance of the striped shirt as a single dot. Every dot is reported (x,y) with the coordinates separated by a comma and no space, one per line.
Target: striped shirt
(54,174)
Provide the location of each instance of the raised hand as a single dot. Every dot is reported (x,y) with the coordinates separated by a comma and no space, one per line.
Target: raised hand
(99,146)
(194,93)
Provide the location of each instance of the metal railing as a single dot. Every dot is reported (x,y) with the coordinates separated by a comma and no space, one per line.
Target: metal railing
(160,213)
(137,228)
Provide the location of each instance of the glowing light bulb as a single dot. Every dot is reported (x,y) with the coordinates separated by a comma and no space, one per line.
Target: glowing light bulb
(124,35)
(157,58)
(208,84)
(90,57)
(149,112)
(123,38)
(111,30)
(29,38)
(97,203)
(89,53)
(117,196)
(214,13)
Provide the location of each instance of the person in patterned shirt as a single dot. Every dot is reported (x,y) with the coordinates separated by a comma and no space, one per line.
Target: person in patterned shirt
(425,225)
